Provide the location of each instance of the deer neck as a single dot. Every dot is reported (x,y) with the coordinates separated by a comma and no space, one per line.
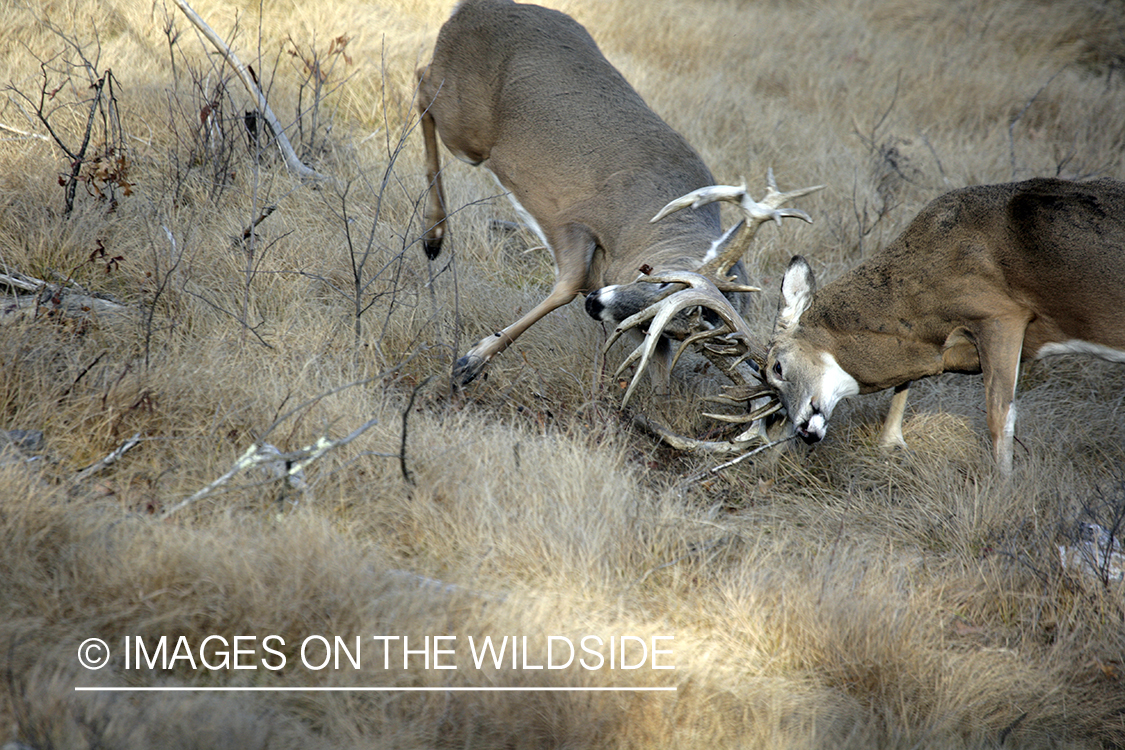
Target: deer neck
(656,248)
(889,336)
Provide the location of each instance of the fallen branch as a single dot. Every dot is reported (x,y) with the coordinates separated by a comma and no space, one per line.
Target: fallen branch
(110,459)
(23,133)
(69,299)
(21,282)
(259,454)
(291,158)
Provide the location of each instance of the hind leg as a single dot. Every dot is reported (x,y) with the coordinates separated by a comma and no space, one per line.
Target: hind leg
(434,212)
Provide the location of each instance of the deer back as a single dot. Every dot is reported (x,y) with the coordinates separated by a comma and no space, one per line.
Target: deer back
(526,91)
(1053,248)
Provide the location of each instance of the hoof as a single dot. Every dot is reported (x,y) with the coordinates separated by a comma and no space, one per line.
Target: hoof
(467,369)
(432,246)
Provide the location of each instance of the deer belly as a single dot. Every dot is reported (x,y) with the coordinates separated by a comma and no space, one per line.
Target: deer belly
(1078,346)
(525,215)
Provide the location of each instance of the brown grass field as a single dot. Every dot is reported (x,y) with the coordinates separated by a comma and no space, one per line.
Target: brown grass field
(832,597)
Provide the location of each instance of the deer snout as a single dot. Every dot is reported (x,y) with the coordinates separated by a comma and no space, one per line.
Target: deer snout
(597,304)
(813,429)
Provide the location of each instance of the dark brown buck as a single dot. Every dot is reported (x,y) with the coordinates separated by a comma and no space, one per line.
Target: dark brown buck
(525,91)
(983,278)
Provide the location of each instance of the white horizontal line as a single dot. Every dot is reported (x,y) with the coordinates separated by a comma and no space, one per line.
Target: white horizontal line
(371,689)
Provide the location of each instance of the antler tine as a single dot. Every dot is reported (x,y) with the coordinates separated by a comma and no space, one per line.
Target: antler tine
(757,212)
(702,197)
(754,415)
(696,338)
(699,291)
(740,394)
(680,442)
(660,313)
(706,291)
(749,440)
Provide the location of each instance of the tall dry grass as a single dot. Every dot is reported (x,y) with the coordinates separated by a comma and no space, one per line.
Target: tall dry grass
(827,598)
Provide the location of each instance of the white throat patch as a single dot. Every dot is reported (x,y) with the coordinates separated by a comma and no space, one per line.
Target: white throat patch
(835,384)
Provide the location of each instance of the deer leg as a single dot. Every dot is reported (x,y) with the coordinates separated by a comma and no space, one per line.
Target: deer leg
(434,214)
(1000,343)
(572,249)
(890,437)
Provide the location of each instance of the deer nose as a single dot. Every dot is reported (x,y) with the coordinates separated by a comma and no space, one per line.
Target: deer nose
(814,428)
(595,305)
(809,438)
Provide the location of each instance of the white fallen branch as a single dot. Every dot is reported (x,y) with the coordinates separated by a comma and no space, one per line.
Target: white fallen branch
(1097,553)
(70,299)
(287,151)
(23,133)
(21,282)
(264,454)
(110,459)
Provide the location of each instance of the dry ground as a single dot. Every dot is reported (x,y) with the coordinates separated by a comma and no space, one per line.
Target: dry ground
(826,598)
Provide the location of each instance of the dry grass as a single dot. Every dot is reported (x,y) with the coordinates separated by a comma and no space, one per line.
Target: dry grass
(827,598)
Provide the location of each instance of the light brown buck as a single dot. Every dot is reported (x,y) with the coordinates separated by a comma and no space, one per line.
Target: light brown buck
(525,91)
(983,278)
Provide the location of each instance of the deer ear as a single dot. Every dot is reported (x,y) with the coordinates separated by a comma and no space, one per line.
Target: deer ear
(797,289)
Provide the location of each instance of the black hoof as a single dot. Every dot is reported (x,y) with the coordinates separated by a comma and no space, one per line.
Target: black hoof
(432,247)
(467,369)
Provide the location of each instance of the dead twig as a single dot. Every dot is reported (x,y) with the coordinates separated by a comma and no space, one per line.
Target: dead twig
(402,449)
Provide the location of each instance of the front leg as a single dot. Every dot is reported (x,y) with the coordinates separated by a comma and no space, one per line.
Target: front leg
(1000,344)
(571,246)
(890,437)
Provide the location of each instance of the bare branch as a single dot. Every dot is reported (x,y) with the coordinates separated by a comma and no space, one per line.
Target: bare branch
(402,449)
(291,159)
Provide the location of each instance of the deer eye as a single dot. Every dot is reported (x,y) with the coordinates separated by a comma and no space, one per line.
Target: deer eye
(777,369)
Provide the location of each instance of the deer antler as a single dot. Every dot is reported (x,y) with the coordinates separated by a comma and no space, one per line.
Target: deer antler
(731,346)
(698,292)
(757,213)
